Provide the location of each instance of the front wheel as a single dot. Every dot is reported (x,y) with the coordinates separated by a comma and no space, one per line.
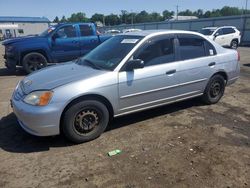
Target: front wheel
(34,61)
(85,121)
(234,44)
(214,90)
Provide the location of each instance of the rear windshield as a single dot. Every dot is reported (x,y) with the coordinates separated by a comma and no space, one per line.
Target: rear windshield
(110,53)
(207,31)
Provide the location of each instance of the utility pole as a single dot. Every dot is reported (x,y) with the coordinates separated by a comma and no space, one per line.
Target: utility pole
(246,6)
(103,20)
(132,17)
(177,11)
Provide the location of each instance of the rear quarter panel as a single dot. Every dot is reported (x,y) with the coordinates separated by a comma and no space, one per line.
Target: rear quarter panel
(227,61)
(230,64)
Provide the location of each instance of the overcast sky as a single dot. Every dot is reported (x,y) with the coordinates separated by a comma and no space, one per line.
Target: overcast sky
(52,8)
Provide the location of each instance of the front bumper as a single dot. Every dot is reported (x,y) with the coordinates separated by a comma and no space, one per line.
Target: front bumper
(10,64)
(10,59)
(36,120)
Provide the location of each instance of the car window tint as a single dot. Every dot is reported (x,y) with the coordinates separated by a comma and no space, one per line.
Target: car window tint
(66,32)
(157,52)
(228,30)
(86,30)
(190,48)
(209,48)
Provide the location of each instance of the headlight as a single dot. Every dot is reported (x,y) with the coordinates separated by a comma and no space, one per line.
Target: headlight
(17,85)
(39,98)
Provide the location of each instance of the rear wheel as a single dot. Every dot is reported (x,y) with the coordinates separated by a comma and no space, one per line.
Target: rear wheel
(234,44)
(85,121)
(214,90)
(34,61)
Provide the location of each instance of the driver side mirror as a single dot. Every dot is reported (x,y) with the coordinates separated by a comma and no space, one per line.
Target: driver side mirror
(134,64)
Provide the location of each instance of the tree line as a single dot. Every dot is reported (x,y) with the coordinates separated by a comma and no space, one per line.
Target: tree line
(126,17)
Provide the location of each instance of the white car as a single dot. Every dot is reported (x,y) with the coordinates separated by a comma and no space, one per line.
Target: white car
(113,31)
(131,30)
(227,36)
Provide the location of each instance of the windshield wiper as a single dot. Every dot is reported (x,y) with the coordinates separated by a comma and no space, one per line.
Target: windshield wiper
(90,63)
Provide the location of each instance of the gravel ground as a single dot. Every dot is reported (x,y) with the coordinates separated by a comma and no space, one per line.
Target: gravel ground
(187,144)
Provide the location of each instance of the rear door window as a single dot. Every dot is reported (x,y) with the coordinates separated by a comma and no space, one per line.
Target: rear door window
(191,46)
(86,30)
(209,48)
(228,31)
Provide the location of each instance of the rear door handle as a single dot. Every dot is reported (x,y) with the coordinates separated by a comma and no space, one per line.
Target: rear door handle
(75,41)
(93,41)
(211,64)
(171,72)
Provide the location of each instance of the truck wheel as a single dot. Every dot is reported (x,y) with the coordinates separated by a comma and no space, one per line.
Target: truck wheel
(234,44)
(214,90)
(85,121)
(34,61)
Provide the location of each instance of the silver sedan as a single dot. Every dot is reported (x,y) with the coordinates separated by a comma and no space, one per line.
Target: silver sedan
(126,74)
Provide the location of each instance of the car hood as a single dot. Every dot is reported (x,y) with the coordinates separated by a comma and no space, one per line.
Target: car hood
(210,36)
(20,39)
(58,75)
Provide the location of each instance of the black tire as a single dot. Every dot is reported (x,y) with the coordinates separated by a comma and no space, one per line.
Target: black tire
(85,121)
(34,61)
(234,44)
(214,90)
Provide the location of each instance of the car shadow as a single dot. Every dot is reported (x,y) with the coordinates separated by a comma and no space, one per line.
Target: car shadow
(6,72)
(152,113)
(14,139)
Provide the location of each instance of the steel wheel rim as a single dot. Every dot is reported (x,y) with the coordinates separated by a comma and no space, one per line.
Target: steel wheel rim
(35,63)
(215,89)
(86,121)
(234,44)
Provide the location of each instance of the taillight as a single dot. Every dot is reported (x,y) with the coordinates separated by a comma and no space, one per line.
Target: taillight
(238,55)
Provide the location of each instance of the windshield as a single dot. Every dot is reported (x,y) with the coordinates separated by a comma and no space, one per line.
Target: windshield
(207,31)
(110,53)
(47,31)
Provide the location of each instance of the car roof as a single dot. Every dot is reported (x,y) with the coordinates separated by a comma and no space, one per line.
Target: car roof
(145,33)
(213,28)
(72,23)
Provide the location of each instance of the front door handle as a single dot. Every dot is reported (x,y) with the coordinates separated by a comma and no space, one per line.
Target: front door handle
(211,64)
(171,72)
(75,41)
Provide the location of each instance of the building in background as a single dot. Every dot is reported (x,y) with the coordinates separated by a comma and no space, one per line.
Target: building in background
(22,26)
